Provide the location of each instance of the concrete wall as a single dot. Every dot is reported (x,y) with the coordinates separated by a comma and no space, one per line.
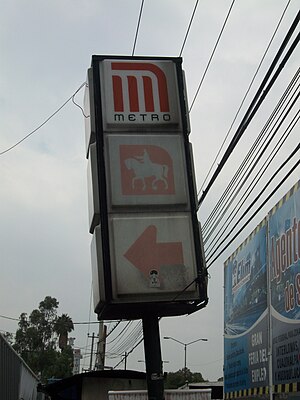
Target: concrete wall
(97,389)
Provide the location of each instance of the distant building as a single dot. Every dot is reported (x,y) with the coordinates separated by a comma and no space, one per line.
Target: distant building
(76,361)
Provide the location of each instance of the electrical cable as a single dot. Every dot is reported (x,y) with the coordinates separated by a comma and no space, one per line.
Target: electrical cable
(112,329)
(11,318)
(130,340)
(137,344)
(189,27)
(255,181)
(245,96)
(225,204)
(211,57)
(138,27)
(257,101)
(43,123)
(79,106)
(258,209)
(74,323)
(210,226)
(126,342)
(251,151)
(119,335)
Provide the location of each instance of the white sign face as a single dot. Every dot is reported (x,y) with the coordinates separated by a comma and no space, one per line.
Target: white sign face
(139,93)
(152,254)
(147,170)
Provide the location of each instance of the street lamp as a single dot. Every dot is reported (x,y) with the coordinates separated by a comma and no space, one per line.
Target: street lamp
(185,346)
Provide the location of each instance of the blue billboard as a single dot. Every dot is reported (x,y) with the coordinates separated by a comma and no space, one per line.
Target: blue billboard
(284,257)
(245,315)
(262,307)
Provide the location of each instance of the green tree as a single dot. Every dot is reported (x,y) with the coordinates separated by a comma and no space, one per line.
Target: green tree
(36,340)
(177,379)
(63,326)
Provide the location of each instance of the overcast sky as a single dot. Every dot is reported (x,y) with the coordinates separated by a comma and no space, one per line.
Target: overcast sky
(46,48)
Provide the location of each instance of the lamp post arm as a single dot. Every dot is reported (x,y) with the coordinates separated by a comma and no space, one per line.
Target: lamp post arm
(175,340)
(198,340)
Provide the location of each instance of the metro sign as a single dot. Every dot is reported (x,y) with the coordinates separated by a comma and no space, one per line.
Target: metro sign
(147,253)
(139,93)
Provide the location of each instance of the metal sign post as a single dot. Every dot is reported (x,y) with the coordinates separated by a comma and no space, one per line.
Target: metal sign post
(155,378)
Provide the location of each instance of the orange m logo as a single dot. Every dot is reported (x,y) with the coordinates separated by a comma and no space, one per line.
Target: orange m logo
(132,86)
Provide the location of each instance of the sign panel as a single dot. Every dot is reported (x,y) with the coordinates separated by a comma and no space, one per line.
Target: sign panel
(153,254)
(147,170)
(145,223)
(284,247)
(138,94)
(246,316)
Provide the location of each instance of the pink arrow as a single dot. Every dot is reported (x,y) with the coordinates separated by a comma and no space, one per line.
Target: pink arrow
(146,254)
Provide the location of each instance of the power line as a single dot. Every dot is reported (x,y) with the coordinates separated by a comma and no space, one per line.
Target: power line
(79,106)
(138,27)
(74,323)
(245,96)
(11,318)
(122,331)
(263,203)
(286,111)
(129,340)
(189,27)
(251,151)
(212,221)
(257,101)
(45,122)
(129,352)
(211,56)
(283,138)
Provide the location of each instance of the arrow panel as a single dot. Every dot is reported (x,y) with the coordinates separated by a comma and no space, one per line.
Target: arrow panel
(153,255)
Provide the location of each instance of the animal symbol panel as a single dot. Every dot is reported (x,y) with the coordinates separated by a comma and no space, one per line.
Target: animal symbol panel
(146,170)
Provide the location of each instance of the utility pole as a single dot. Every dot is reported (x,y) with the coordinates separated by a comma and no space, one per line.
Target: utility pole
(100,353)
(93,336)
(125,360)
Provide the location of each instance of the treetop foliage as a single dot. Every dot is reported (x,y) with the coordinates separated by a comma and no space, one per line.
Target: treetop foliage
(42,340)
(179,378)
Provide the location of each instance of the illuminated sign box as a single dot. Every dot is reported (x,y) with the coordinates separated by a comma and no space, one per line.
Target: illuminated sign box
(146,249)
